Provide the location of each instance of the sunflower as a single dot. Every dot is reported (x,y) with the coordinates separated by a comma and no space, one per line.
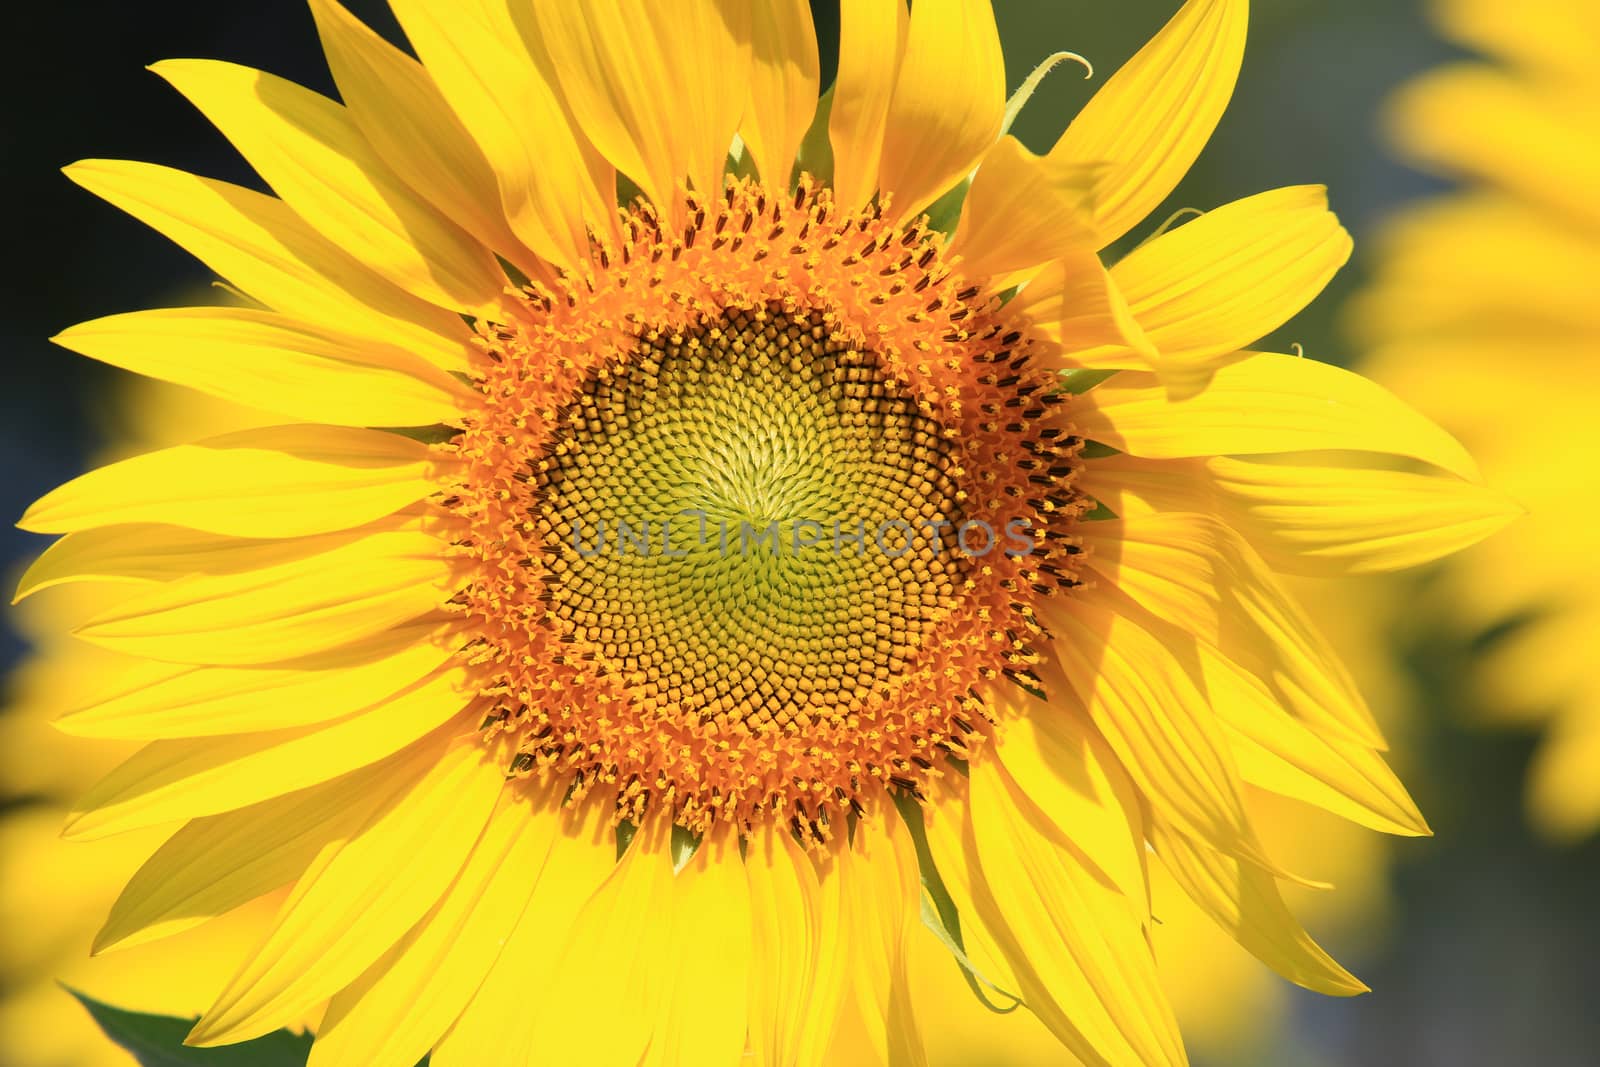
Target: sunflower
(645,618)
(1445,318)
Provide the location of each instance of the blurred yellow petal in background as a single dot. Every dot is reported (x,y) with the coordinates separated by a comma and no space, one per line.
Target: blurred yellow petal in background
(1484,316)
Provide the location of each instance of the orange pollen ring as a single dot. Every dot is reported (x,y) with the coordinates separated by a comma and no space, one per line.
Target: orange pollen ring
(759,510)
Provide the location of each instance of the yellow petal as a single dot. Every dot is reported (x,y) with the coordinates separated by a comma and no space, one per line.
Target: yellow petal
(221,862)
(946,821)
(616,954)
(1024,210)
(1244,900)
(1078,945)
(269,361)
(307,149)
(1551,37)
(881,904)
(189,779)
(360,897)
(1074,306)
(1155,719)
(551,183)
(283,612)
(1277,752)
(872,42)
(948,104)
(787,932)
(659,89)
(281,481)
(262,247)
(1305,517)
(1232,276)
(1193,571)
(1530,139)
(1063,766)
(1264,402)
(209,701)
(1343,520)
(785,76)
(498,1025)
(400,111)
(704,1012)
(1150,121)
(141,553)
(396,1010)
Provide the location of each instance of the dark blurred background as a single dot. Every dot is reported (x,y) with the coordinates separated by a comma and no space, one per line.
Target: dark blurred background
(1493,950)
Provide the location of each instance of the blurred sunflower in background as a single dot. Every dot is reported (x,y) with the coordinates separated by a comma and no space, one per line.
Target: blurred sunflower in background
(55,894)
(524,799)
(1483,305)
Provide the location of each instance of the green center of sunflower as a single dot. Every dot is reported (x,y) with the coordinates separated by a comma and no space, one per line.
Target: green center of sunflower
(750,520)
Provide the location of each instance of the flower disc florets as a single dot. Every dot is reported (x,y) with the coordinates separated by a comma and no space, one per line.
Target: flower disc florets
(756,506)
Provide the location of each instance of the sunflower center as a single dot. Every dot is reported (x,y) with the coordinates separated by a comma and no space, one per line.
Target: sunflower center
(750,519)
(760,504)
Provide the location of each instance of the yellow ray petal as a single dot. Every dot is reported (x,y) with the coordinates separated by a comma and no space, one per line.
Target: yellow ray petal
(616,953)
(1305,517)
(1343,520)
(1155,719)
(1024,210)
(1277,752)
(1553,37)
(286,611)
(659,89)
(1232,276)
(1437,290)
(1244,900)
(402,114)
(190,779)
(396,1010)
(833,961)
(1563,793)
(1077,944)
(880,905)
(1150,121)
(307,149)
(872,42)
(704,1013)
(1195,572)
(218,863)
(360,897)
(209,701)
(1063,766)
(1529,139)
(270,361)
(261,246)
(497,1024)
(1265,402)
(142,553)
(948,104)
(552,185)
(1075,306)
(946,821)
(787,932)
(281,481)
(785,76)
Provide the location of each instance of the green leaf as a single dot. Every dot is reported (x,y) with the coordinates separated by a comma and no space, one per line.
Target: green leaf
(940,914)
(944,214)
(157,1041)
(1078,382)
(437,434)
(816,151)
